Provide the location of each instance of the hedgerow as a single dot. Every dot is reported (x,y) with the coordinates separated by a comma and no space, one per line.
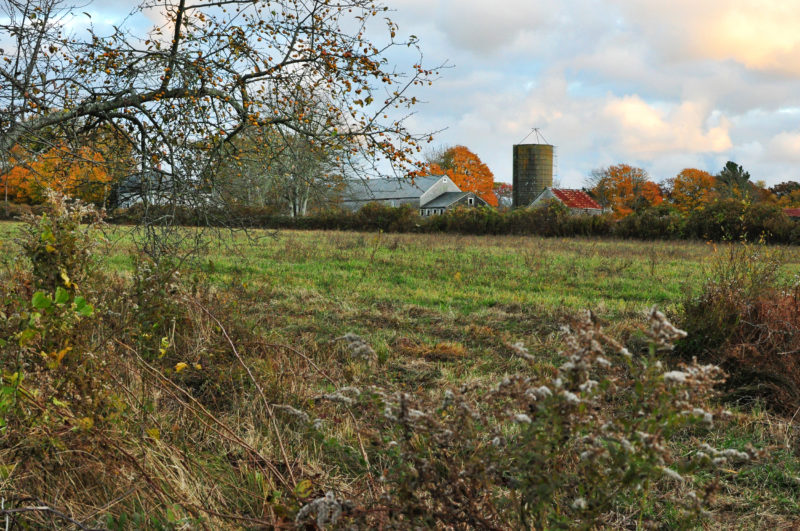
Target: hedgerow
(723,220)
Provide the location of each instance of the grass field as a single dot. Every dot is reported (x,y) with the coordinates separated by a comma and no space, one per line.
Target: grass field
(441,310)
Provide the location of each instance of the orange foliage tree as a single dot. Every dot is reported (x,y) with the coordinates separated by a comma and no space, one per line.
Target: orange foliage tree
(693,189)
(78,173)
(624,188)
(466,170)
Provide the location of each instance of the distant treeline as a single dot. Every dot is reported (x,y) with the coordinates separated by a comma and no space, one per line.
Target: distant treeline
(725,219)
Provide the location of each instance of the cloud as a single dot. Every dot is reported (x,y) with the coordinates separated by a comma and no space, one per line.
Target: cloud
(785,147)
(646,130)
(759,35)
(481,27)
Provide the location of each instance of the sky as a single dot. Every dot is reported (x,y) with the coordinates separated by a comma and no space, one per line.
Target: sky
(660,85)
(663,85)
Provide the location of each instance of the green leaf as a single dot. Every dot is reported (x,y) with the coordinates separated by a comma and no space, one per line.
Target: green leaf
(83,307)
(303,489)
(62,295)
(41,301)
(26,335)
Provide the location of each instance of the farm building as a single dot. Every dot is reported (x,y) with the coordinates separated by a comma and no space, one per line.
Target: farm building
(578,201)
(431,195)
(793,213)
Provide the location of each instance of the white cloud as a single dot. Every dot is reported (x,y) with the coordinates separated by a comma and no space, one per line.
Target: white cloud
(760,35)
(646,130)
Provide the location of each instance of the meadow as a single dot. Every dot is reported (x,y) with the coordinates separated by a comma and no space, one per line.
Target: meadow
(437,312)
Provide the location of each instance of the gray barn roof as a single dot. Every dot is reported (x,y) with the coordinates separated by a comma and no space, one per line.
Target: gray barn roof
(445,200)
(384,189)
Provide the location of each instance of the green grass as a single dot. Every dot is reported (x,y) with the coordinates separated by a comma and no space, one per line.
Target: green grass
(465,275)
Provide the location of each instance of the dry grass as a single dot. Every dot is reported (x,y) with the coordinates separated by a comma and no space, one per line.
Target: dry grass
(439,312)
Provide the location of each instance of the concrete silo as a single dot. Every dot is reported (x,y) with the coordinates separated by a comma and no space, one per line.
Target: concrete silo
(533,172)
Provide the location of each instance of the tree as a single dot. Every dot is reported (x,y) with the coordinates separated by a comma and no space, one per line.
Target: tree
(786,194)
(693,189)
(504,194)
(624,188)
(87,172)
(466,170)
(785,188)
(77,173)
(733,181)
(181,92)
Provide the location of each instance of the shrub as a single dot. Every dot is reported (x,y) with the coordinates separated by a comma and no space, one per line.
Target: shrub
(13,211)
(560,451)
(45,348)
(747,320)
(375,216)
(544,220)
(657,223)
(724,220)
(721,220)
(767,221)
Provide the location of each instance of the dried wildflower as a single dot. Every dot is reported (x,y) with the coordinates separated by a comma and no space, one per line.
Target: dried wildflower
(671,474)
(336,397)
(571,398)
(327,509)
(732,453)
(302,415)
(449,397)
(579,504)
(542,392)
(521,351)
(522,418)
(675,376)
(351,390)
(359,348)
(662,331)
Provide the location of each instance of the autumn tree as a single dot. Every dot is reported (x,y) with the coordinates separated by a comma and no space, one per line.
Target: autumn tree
(786,194)
(466,170)
(624,188)
(180,92)
(81,173)
(87,172)
(693,189)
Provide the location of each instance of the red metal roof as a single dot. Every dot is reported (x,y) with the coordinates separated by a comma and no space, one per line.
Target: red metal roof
(792,212)
(575,198)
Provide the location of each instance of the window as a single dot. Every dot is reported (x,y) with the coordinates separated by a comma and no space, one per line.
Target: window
(471,201)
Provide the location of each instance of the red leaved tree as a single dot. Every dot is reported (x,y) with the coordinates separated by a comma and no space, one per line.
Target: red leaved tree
(624,188)
(466,170)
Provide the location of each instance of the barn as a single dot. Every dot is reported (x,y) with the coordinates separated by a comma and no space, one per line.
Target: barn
(431,194)
(577,201)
